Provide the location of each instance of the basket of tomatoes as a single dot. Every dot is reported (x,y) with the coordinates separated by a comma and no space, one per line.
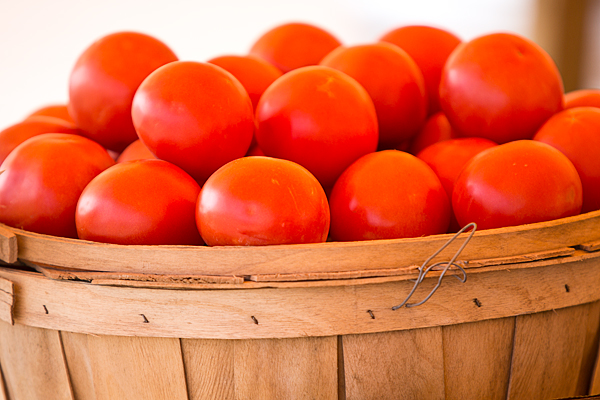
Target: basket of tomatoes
(288,223)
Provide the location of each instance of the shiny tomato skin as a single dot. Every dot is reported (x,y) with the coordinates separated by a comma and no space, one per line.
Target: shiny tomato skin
(520,182)
(140,202)
(429,47)
(436,129)
(387,195)
(254,73)
(135,151)
(582,98)
(195,115)
(575,132)
(447,159)
(294,45)
(259,200)
(54,110)
(43,178)
(16,134)
(501,87)
(104,80)
(394,83)
(319,118)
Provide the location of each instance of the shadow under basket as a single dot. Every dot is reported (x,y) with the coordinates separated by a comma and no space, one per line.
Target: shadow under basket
(83,320)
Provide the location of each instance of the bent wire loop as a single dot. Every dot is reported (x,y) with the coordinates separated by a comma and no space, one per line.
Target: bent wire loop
(424,269)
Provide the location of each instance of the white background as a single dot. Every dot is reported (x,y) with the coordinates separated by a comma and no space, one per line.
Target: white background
(41,40)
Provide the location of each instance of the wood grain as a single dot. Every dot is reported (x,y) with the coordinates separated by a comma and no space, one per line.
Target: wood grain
(111,367)
(298,368)
(6,301)
(407,364)
(3,392)
(477,359)
(300,311)
(209,368)
(590,349)
(304,258)
(33,363)
(549,352)
(8,245)
(591,246)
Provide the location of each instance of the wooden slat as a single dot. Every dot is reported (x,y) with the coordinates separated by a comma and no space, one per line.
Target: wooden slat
(209,368)
(299,368)
(8,245)
(477,359)
(33,363)
(548,353)
(3,392)
(299,311)
(79,365)
(304,258)
(590,349)
(590,246)
(127,367)
(405,365)
(6,301)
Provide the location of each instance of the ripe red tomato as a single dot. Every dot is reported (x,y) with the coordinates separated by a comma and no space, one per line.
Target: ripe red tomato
(386,195)
(144,202)
(501,87)
(54,110)
(436,129)
(576,133)
(16,134)
(43,178)
(135,151)
(582,98)
(104,80)
(516,183)
(254,73)
(318,117)
(294,45)
(195,115)
(262,201)
(448,158)
(394,83)
(430,48)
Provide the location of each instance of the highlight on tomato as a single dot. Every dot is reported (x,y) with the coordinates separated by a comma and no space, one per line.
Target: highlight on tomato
(262,201)
(195,115)
(104,80)
(388,195)
(395,85)
(318,117)
(16,134)
(429,47)
(142,202)
(43,178)
(575,132)
(501,87)
(294,45)
(516,183)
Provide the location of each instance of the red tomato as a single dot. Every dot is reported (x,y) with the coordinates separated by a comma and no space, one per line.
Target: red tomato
(254,73)
(294,45)
(576,133)
(516,183)
(54,110)
(104,80)
(394,83)
(436,129)
(386,195)
(262,201)
(582,98)
(447,159)
(43,178)
(145,202)
(318,117)
(196,115)
(430,48)
(135,151)
(501,87)
(16,134)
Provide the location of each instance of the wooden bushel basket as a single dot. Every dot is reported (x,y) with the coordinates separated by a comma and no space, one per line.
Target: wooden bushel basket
(83,320)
